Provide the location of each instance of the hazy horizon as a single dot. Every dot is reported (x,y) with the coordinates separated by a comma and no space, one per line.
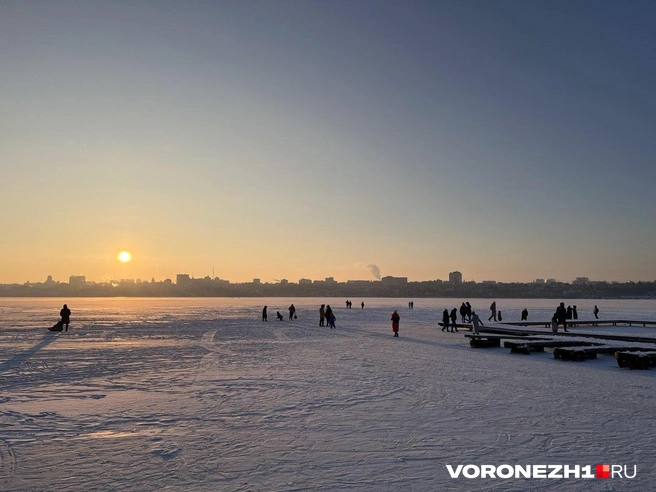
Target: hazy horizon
(295,281)
(304,139)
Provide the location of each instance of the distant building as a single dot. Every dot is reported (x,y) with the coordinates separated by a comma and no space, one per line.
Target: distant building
(305,281)
(455,278)
(330,280)
(76,280)
(183,279)
(552,281)
(581,280)
(127,281)
(49,280)
(283,281)
(489,282)
(539,281)
(256,281)
(396,281)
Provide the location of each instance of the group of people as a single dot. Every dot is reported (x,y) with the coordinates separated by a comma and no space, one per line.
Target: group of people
(292,313)
(326,315)
(561,316)
(563,313)
(449,319)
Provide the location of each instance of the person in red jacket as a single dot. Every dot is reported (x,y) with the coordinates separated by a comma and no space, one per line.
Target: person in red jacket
(395,323)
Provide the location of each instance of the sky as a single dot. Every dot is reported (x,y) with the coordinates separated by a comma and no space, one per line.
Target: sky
(508,140)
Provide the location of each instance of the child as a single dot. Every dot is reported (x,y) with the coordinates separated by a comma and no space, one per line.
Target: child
(554,325)
(476,322)
(278,315)
(499,316)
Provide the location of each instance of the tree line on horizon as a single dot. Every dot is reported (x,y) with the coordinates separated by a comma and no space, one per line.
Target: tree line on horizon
(424,289)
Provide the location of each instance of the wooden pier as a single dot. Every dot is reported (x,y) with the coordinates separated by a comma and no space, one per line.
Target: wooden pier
(521,339)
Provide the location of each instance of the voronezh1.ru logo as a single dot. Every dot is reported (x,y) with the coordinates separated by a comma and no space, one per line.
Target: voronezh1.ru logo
(542,471)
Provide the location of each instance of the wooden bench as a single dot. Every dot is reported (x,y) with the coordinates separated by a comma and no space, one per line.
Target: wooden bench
(486,341)
(539,346)
(635,360)
(583,353)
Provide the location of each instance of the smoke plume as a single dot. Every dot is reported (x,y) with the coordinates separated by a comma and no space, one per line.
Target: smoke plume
(375,271)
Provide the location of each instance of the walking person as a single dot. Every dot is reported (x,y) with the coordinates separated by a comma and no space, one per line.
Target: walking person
(395,323)
(445,320)
(469,311)
(292,312)
(575,314)
(454,319)
(476,322)
(463,311)
(362,304)
(595,311)
(569,312)
(525,314)
(322,315)
(493,310)
(264,314)
(331,320)
(65,314)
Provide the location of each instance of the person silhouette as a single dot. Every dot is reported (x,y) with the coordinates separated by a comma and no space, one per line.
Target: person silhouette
(395,323)
(595,311)
(65,314)
(445,320)
(476,322)
(561,315)
(493,311)
(264,314)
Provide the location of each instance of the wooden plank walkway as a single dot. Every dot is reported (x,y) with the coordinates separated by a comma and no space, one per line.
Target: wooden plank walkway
(587,322)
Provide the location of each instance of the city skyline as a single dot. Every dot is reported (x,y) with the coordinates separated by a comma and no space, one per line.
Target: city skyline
(175,279)
(512,140)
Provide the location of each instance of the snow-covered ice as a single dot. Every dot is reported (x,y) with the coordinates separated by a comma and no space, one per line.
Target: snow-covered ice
(201,395)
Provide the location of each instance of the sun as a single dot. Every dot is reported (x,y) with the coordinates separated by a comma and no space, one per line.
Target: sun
(124,257)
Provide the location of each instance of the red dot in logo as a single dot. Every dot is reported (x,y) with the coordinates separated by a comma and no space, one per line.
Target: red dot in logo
(603,471)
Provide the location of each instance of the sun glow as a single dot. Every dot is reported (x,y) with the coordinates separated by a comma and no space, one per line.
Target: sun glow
(124,257)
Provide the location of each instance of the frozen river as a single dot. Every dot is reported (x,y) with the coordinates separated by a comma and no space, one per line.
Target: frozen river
(199,394)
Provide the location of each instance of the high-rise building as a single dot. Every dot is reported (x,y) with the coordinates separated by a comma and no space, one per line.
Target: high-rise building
(455,278)
(183,279)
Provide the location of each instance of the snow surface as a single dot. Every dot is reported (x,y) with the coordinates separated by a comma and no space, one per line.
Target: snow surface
(199,394)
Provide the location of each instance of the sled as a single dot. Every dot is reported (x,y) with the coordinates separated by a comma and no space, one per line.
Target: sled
(59,326)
